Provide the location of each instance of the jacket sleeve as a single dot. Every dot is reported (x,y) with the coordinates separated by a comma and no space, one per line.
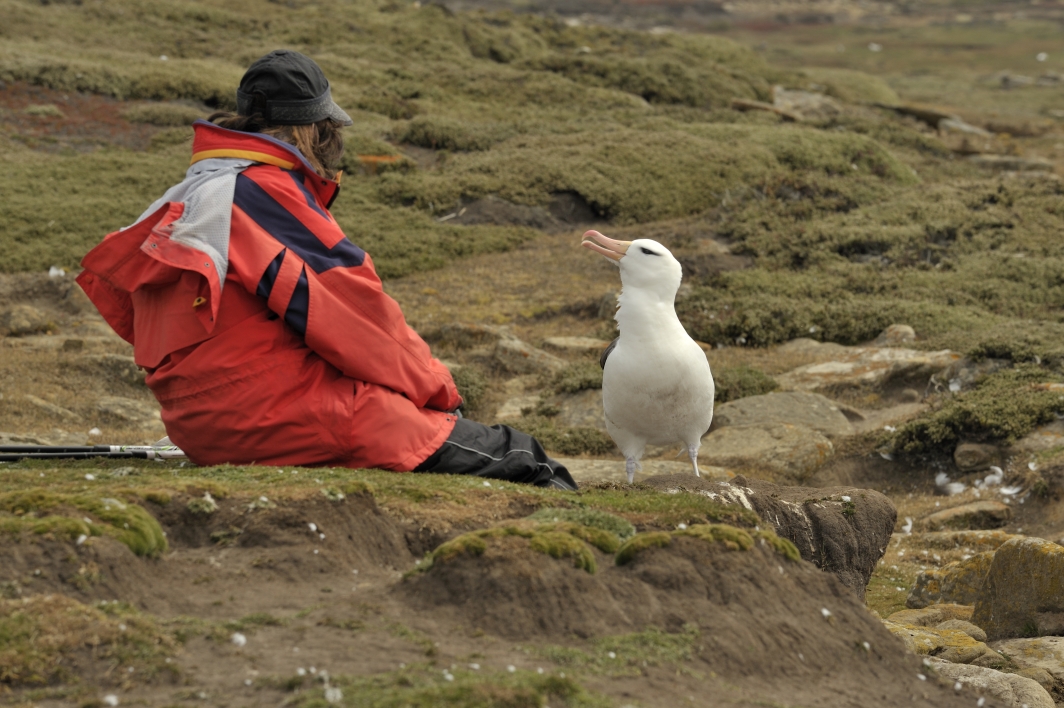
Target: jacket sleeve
(327,290)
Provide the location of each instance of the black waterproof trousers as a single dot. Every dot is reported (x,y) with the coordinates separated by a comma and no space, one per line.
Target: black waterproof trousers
(498,452)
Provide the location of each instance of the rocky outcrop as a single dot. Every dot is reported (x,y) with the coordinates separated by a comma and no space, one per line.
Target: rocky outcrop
(868,367)
(808,410)
(958,582)
(841,530)
(130,411)
(976,515)
(950,645)
(1038,658)
(1023,594)
(1010,689)
(789,451)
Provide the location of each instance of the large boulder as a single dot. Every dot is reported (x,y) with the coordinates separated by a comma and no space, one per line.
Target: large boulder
(1023,594)
(959,582)
(809,410)
(842,530)
(1011,690)
(789,451)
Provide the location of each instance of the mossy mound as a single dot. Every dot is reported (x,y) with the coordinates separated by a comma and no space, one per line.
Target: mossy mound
(1003,408)
(590,518)
(44,637)
(578,376)
(559,540)
(656,170)
(41,512)
(853,86)
(730,537)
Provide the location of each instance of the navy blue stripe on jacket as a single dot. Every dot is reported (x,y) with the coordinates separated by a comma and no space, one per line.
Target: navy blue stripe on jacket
(298,306)
(273,218)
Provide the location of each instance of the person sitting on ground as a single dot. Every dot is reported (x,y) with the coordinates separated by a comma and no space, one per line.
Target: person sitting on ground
(265,333)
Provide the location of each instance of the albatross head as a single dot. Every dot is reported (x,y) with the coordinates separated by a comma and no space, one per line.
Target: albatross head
(645,264)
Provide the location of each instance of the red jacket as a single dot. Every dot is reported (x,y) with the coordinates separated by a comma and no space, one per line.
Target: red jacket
(301,359)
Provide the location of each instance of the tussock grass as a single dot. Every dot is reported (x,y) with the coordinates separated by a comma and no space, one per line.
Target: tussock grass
(626,654)
(1003,408)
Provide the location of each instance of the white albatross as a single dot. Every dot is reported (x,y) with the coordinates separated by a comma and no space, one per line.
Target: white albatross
(657,388)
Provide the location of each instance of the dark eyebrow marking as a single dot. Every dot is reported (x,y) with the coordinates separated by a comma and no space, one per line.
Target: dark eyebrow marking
(648,251)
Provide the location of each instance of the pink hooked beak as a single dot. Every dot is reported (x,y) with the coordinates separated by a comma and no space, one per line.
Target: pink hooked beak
(614,250)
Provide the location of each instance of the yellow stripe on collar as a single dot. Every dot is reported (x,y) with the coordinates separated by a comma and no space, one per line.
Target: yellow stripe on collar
(244,155)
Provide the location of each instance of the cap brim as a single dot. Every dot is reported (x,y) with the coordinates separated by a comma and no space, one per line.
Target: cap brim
(338,114)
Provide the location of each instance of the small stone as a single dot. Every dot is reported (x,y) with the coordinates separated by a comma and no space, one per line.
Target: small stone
(72,345)
(976,515)
(895,336)
(974,457)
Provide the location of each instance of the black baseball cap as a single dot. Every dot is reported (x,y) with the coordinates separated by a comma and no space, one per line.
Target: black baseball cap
(287,88)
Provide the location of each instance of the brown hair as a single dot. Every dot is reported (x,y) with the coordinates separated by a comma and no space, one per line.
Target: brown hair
(321,143)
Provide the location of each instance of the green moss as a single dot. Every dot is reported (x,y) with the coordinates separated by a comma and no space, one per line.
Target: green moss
(441,133)
(163,114)
(639,543)
(558,540)
(424,686)
(732,538)
(356,487)
(1003,408)
(782,546)
(625,654)
(649,508)
(34,511)
(561,545)
(590,518)
(472,385)
(853,86)
(733,383)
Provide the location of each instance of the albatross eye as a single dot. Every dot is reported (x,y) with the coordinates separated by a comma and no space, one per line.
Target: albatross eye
(648,251)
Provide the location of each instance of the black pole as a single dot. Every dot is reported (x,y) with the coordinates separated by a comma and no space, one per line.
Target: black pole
(79,455)
(49,449)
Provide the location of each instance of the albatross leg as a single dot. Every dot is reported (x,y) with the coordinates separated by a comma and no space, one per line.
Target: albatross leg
(630,466)
(692,452)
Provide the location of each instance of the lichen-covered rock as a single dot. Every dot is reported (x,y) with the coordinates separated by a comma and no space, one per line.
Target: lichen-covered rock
(1023,594)
(842,530)
(931,616)
(810,410)
(791,451)
(895,336)
(1010,689)
(575,345)
(958,582)
(968,628)
(949,644)
(1037,656)
(976,515)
